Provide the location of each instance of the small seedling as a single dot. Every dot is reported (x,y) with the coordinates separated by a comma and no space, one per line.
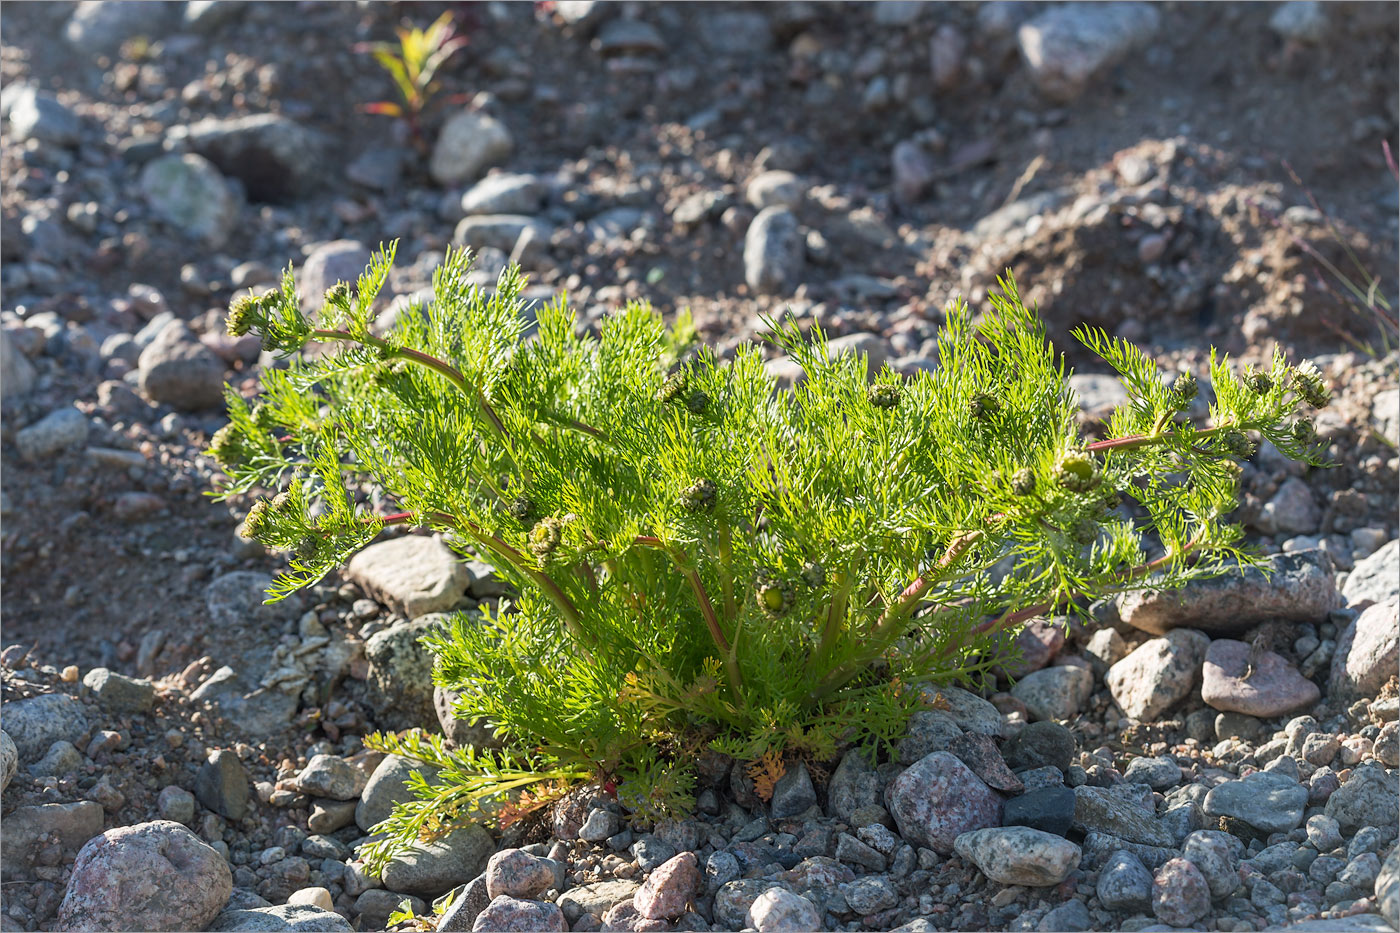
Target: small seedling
(413,65)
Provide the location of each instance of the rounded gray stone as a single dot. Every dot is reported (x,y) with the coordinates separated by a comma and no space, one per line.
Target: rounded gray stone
(434,867)
(1019,855)
(188,192)
(35,723)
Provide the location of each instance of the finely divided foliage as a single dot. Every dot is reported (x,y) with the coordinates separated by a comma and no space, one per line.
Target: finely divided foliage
(704,561)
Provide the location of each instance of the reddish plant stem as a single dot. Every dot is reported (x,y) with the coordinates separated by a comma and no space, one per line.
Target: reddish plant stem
(707,609)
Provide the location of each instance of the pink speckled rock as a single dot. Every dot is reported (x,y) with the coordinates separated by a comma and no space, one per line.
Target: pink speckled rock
(1273,688)
(151,876)
(511,915)
(517,873)
(937,799)
(669,889)
(1180,894)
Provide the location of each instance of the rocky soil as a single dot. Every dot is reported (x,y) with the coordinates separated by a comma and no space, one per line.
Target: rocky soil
(178,756)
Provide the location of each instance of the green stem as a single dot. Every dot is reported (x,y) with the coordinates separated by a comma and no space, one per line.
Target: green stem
(707,611)
(442,367)
(836,609)
(573,619)
(726,577)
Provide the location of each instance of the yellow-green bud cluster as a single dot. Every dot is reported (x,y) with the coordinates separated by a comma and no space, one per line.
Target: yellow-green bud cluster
(1307,382)
(813,574)
(226,446)
(1023,482)
(1077,471)
(1239,444)
(546,537)
(1304,431)
(672,388)
(254,521)
(697,402)
(1184,390)
(338,296)
(1259,383)
(521,508)
(700,496)
(884,395)
(1085,530)
(775,596)
(982,405)
(243,315)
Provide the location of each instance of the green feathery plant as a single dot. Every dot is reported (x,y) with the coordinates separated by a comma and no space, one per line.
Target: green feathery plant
(704,562)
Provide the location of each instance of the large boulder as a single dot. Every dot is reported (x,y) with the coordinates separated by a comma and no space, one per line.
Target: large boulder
(151,876)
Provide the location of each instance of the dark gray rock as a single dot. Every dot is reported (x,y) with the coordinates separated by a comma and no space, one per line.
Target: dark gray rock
(1097,810)
(1124,882)
(60,430)
(276,158)
(285,917)
(1040,744)
(434,867)
(1050,809)
(401,673)
(1368,798)
(221,785)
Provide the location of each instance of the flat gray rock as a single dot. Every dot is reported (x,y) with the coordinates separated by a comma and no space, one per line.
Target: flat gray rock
(1299,588)
(36,723)
(1270,802)
(297,917)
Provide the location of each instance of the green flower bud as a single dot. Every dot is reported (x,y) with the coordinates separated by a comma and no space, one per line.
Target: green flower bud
(1023,482)
(776,597)
(672,387)
(280,503)
(521,508)
(1309,385)
(813,574)
(1085,530)
(243,315)
(262,416)
(254,521)
(1258,382)
(982,406)
(338,295)
(884,395)
(1077,471)
(699,496)
(226,446)
(1304,431)
(546,537)
(308,547)
(1185,385)
(697,402)
(1239,444)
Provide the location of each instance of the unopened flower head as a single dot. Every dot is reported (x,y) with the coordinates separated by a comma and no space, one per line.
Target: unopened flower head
(813,574)
(338,295)
(243,315)
(1308,383)
(884,395)
(1304,431)
(521,508)
(308,547)
(672,388)
(1023,482)
(546,537)
(776,596)
(280,502)
(257,515)
(697,402)
(983,405)
(1184,390)
(699,496)
(1260,383)
(1085,530)
(1239,444)
(226,446)
(1077,471)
